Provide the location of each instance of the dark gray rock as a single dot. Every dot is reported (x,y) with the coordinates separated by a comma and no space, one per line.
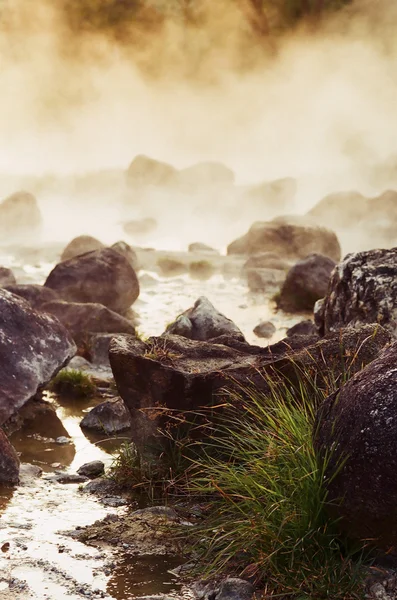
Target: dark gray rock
(7,277)
(20,215)
(203,322)
(358,426)
(9,462)
(265,329)
(36,295)
(231,588)
(33,347)
(81,245)
(307,281)
(303,328)
(110,417)
(289,241)
(83,319)
(362,289)
(93,469)
(103,276)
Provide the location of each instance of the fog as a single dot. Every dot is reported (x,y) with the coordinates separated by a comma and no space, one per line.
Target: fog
(77,107)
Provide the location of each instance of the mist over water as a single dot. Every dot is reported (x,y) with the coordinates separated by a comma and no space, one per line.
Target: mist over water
(77,107)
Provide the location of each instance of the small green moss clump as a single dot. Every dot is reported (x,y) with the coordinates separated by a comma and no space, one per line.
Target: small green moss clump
(73,383)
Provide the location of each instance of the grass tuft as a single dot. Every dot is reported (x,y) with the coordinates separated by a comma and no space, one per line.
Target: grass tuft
(73,383)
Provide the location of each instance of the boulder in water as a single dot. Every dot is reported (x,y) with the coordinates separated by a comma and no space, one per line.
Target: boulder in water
(80,245)
(20,215)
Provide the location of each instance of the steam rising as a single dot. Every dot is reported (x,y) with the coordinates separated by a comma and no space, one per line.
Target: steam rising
(319,106)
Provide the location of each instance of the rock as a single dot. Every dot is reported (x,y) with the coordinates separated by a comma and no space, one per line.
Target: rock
(130,254)
(307,281)
(81,245)
(265,329)
(69,478)
(110,417)
(36,295)
(28,474)
(362,289)
(205,174)
(37,416)
(279,193)
(148,171)
(266,260)
(303,328)
(7,277)
(97,348)
(171,267)
(19,214)
(358,425)
(92,469)
(101,487)
(205,322)
(288,241)
(265,280)
(201,269)
(199,247)
(103,276)
(83,319)
(231,588)
(33,348)
(340,210)
(9,462)
(140,226)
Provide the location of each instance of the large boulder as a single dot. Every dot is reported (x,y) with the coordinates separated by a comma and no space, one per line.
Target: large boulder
(19,214)
(7,277)
(357,430)
(148,171)
(103,276)
(307,281)
(287,240)
(203,322)
(340,209)
(33,347)
(80,245)
(81,319)
(362,289)
(9,462)
(274,195)
(36,295)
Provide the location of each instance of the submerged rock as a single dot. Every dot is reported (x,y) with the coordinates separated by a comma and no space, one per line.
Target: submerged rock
(82,319)
(357,429)
(7,277)
(307,281)
(81,245)
(289,241)
(362,289)
(103,276)
(203,322)
(9,462)
(110,416)
(33,347)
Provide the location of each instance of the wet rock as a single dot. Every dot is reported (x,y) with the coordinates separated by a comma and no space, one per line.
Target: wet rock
(28,474)
(93,469)
(110,416)
(81,245)
(7,277)
(140,226)
(9,461)
(171,267)
(63,440)
(199,247)
(358,426)
(103,277)
(37,416)
(68,478)
(307,281)
(287,240)
(83,319)
(265,280)
(101,487)
(20,214)
(231,588)
(36,295)
(303,328)
(130,254)
(265,329)
(340,210)
(203,322)
(266,260)
(148,171)
(362,289)
(33,347)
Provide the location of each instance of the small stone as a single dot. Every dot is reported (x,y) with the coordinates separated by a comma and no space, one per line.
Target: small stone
(62,440)
(265,329)
(92,469)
